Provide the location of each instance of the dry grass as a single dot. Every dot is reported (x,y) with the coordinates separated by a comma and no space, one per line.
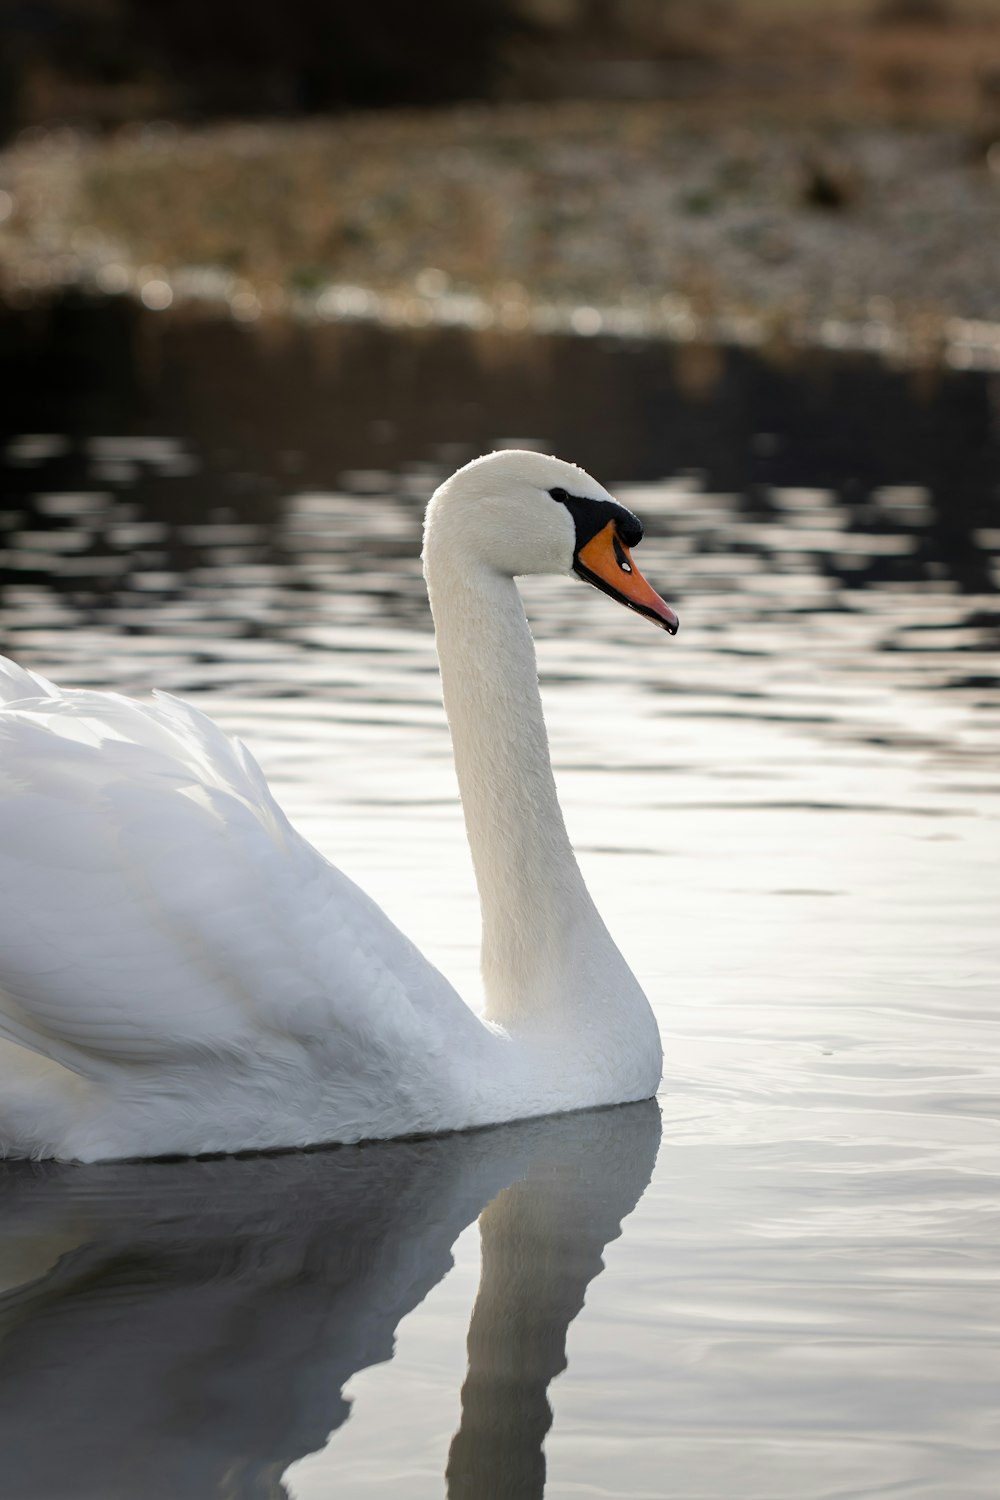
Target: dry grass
(805,160)
(912,61)
(604,204)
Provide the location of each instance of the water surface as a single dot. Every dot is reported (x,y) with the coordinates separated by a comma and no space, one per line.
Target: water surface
(789,817)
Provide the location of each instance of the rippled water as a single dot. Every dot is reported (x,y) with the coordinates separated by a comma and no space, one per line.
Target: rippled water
(789,817)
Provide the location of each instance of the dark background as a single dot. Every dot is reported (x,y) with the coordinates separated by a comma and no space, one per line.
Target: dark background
(103,63)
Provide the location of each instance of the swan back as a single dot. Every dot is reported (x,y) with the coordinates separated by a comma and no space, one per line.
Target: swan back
(169,941)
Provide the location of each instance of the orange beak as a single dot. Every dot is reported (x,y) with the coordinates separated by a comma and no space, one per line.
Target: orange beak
(607,563)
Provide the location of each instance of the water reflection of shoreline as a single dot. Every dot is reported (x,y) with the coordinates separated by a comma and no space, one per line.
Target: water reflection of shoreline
(197,1322)
(907,460)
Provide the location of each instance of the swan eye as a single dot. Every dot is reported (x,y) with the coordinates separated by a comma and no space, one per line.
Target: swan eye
(559,494)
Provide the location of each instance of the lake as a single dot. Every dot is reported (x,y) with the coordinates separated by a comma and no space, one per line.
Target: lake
(780,1279)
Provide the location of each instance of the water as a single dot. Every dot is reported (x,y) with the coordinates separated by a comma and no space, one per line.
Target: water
(788,817)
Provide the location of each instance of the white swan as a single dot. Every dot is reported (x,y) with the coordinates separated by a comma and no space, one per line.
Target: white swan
(181,972)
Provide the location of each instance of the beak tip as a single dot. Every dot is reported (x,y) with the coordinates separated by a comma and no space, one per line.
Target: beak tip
(606,564)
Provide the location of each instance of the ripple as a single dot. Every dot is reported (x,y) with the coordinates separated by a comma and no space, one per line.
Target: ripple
(787,817)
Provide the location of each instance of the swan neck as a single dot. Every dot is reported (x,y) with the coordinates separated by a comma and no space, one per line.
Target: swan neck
(531,892)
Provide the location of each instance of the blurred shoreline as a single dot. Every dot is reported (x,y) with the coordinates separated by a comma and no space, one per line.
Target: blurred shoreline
(600,218)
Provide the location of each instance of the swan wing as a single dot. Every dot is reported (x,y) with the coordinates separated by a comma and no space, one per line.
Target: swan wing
(156,906)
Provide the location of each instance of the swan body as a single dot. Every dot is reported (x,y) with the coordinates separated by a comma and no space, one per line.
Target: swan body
(181,972)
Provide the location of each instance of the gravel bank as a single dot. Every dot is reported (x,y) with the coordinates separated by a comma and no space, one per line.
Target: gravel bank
(594,217)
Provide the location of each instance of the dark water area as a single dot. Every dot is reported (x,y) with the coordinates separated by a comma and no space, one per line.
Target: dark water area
(789,817)
(261,409)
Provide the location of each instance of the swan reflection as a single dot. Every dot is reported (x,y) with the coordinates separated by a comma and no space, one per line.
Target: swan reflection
(193,1325)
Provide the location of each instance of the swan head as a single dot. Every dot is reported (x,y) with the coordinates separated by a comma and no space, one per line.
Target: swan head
(517,512)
